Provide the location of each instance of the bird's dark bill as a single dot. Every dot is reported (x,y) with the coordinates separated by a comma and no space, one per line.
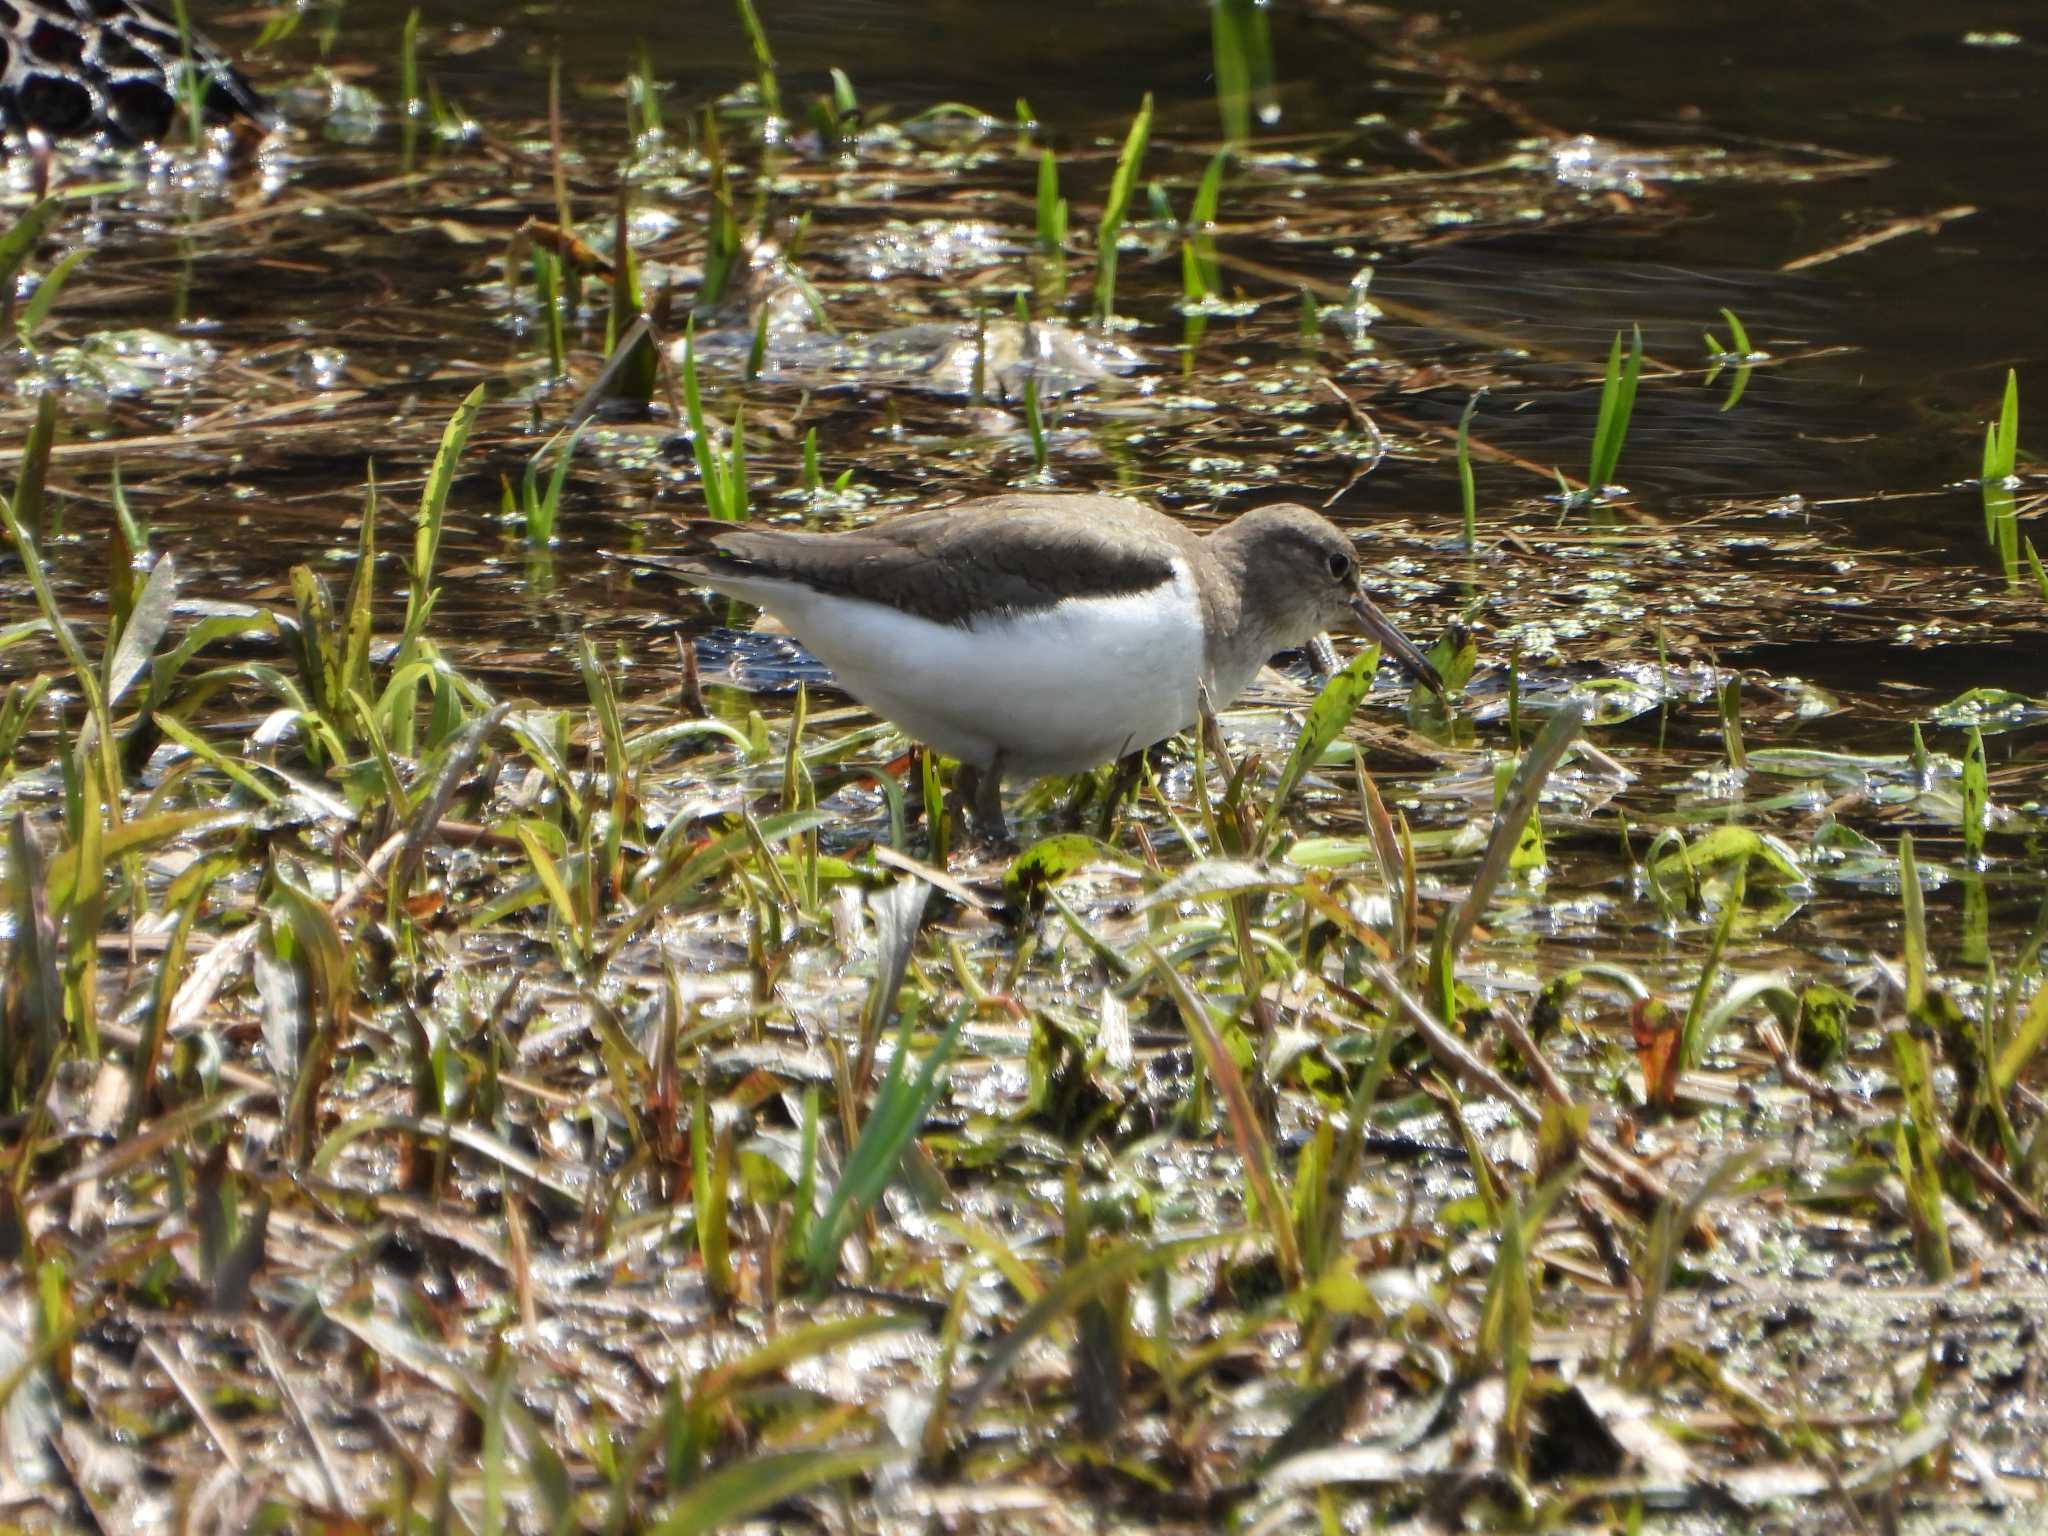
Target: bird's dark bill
(1395,644)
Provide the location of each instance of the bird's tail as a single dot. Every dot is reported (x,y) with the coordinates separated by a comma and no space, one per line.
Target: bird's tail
(694,556)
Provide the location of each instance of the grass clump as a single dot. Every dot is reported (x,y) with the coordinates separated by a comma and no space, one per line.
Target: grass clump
(1617,404)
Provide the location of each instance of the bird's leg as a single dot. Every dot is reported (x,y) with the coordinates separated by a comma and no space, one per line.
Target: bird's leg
(982,788)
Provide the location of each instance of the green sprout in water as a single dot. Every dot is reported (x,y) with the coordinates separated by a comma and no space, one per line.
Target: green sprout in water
(838,115)
(723,247)
(643,103)
(538,506)
(764,59)
(1617,402)
(724,479)
(1052,208)
(1309,322)
(547,283)
(409,100)
(1198,250)
(1468,490)
(1052,229)
(1118,208)
(1739,354)
(1242,42)
(2000,480)
(813,480)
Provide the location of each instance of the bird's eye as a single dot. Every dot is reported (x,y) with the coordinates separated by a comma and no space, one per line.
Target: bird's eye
(1340,566)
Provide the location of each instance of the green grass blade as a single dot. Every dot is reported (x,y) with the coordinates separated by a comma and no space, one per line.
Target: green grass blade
(1254,1148)
(1976,797)
(2009,427)
(892,1125)
(736,502)
(710,1197)
(672,881)
(1691,1043)
(432,514)
(29,1041)
(1918,1154)
(1468,489)
(147,624)
(44,299)
(764,59)
(1118,207)
(733,1493)
(1241,46)
(544,508)
(711,476)
(21,239)
(409,102)
(2025,1044)
(1913,916)
(1332,711)
(35,467)
(35,463)
(1524,791)
(1052,208)
(1735,390)
(1617,403)
(1209,191)
(552,880)
(358,609)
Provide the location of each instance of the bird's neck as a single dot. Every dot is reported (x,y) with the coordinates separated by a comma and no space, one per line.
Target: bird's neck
(1240,619)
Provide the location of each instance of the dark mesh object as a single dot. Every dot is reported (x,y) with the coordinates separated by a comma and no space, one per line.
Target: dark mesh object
(108,67)
(57,45)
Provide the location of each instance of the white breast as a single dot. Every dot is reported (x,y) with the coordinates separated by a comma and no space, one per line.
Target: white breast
(1052,691)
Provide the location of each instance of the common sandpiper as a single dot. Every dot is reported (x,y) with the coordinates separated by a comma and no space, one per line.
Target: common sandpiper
(1035,634)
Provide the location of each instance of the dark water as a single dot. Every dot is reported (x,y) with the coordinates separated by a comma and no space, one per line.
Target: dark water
(1931,321)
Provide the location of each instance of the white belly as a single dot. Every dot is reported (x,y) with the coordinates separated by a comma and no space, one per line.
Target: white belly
(1053,691)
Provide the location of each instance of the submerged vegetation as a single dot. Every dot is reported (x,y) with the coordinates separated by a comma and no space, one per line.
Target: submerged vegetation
(489,1042)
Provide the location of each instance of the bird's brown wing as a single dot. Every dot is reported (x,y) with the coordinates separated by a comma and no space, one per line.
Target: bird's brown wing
(1003,554)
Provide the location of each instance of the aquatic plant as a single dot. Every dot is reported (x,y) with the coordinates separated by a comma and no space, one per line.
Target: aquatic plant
(764,60)
(721,477)
(1117,207)
(1242,44)
(1468,487)
(1740,354)
(2000,468)
(1617,404)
